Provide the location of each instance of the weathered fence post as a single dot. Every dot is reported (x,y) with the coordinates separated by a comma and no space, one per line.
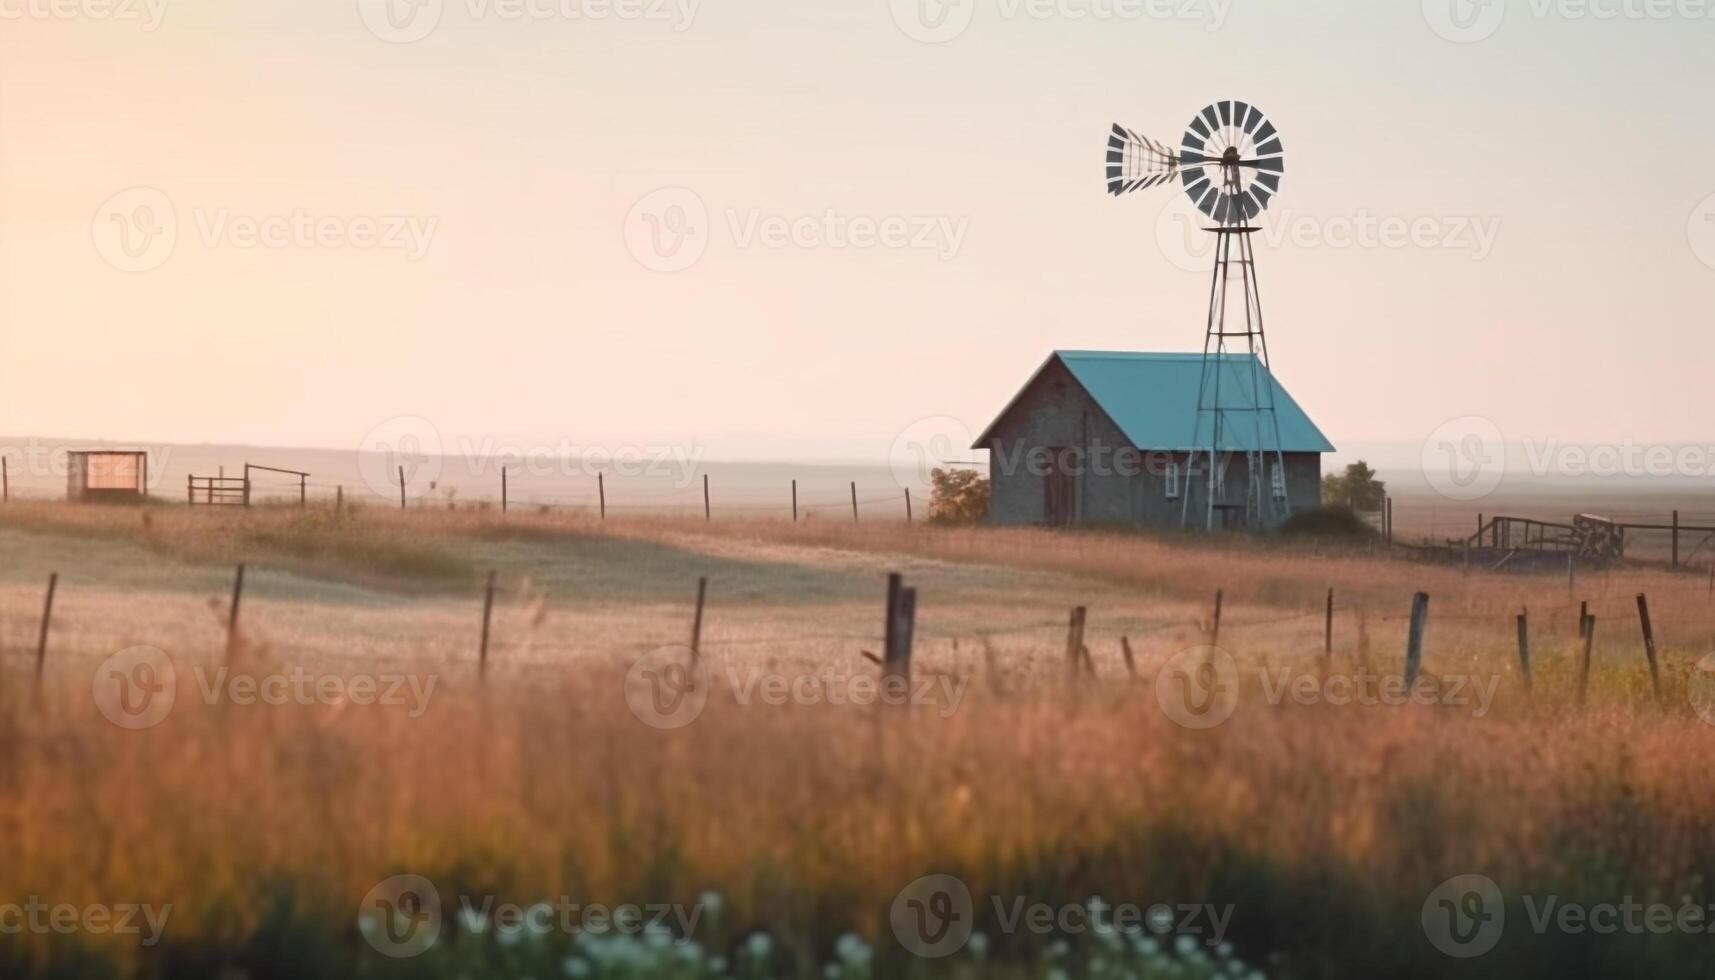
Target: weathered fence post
(1584,667)
(1676,539)
(697,620)
(47,619)
(1414,639)
(707,513)
(1583,617)
(901,624)
(907,505)
(303,491)
(5,481)
(1130,663)
(1649,644)
(339,498)
(503,489)
(1075,639)
(794,501)
(1524,646)
(601,493)
(1571,576)
(854,502)
(1215,623)
(487,614)
(1328,626)
(401,488)
(232,611)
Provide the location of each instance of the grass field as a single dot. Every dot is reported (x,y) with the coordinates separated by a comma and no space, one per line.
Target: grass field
(1308,834)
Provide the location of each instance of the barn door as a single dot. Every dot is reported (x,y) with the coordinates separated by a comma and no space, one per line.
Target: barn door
(1060,488)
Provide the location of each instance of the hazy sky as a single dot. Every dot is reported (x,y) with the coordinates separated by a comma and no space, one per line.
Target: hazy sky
(1507,218)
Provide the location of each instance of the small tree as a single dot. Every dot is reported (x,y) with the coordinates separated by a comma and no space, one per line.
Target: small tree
(1356,488)
(957,496)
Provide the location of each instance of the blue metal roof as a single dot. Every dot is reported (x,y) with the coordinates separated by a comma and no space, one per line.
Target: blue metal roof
(1153,399)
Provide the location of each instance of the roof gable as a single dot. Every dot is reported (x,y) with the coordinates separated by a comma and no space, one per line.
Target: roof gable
(1152,399)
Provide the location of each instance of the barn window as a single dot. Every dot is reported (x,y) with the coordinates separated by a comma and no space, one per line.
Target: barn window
(1277,480)
(1171,483)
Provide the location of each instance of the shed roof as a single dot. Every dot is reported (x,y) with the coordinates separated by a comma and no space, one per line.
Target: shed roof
(1152,398)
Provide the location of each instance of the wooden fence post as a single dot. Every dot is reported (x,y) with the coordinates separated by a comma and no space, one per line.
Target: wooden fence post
(794,501)
(401,487)
(487,614)
(907,505)
(1524,646)
(303,491)
(601,494)
(1649,644)
(1215,623)
(1414,639)
(339,498)
(1075,639)
(503,489)
(1571,576)
(900,627)
(707,513)
(47,619)
(5,481)
(1676,539)
(1328,626)
(854,502)
(1130,663)
(1583,617)
(1584,668)
(697,621)
(232,612)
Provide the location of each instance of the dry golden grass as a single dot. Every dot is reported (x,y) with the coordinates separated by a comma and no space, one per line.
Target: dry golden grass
(1324,825)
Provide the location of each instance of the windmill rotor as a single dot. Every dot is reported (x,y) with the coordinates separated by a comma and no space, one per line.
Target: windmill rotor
(1230,161)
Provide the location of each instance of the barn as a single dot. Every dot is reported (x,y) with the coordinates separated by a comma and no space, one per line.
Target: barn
(1108,437)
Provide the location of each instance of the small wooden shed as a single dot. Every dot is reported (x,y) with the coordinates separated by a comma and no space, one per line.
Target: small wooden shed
(107,474)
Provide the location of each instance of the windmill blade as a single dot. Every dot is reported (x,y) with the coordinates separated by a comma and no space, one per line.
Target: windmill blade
(1135,161)
(1242,155)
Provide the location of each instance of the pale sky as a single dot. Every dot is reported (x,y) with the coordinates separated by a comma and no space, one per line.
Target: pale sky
(481,225)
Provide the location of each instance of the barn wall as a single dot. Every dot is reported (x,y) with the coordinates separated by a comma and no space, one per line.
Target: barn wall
(1117,484)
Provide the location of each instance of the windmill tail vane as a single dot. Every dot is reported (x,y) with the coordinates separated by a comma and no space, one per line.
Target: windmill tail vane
(1229,163)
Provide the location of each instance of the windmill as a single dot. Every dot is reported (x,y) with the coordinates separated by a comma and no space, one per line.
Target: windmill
(1229,163)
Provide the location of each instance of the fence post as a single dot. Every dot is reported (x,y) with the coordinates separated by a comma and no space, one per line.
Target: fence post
(47,619)
(901,624)
(339,498)
(854,502)
(601,493)
(1571,576)
(1130,663)
(1524,646)
(1649,644)
(303,491)
(697,621)
(1074,639)
(1676,539)
(1584,668)
(907,505)
(191,490)
(1414,639)
(1328,626)
(401,487)
(1583,617)
(487,613)
(5,480)
(794,501)
(706,511)
(1215,624)
(503,489)
(232,612)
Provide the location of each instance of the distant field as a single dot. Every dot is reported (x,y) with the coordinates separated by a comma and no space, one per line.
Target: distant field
(1322,829)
